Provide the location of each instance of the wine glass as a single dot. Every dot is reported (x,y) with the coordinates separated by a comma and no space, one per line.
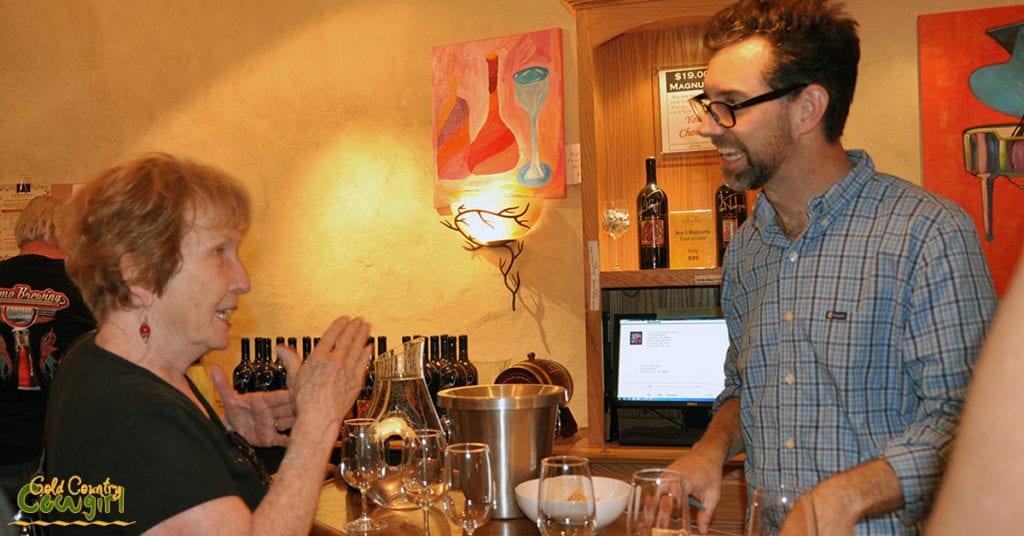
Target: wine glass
(565,501)
(423,470)
(362,464)
(470,497)
(782,506)
(657,503)
(615,222)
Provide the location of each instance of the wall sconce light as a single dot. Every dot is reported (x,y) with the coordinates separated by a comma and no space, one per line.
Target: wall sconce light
(486,227)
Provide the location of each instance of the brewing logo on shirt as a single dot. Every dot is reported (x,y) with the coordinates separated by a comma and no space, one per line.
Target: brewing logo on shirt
(22,307)
(70,495)
(836,315)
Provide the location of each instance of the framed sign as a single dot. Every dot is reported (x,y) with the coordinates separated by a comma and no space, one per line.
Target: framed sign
(677,124)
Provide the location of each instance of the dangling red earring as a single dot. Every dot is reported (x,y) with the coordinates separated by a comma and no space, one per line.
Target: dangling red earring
(144,330)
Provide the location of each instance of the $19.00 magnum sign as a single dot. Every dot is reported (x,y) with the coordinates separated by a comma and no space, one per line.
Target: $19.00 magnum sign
(678,129)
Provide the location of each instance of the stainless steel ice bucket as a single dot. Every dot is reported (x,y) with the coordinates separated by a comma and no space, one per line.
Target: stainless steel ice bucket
(516,420)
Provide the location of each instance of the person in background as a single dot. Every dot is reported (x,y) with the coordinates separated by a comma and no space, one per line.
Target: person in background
(41,306)
(154,246)
(983,489)
(856,301)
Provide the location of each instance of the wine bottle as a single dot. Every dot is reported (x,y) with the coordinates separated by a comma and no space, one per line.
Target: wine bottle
(432,367)
(448,376)
(468,368)
(730,213)
(494,149)
(243,376)
(280,372)
(265,374)
(652,216)
(307,347)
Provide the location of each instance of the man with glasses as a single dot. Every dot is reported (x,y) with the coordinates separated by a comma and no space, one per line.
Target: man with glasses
(856,301)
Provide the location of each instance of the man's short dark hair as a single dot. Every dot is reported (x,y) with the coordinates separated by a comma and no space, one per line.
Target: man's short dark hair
(814,41)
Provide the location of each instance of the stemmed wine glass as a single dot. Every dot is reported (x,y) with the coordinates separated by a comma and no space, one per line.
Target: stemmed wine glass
(423,470)
(615,222)
(362,464)
(565,501)
(776,507)
(470,498)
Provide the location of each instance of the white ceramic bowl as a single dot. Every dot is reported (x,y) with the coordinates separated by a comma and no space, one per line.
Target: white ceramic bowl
(610,496)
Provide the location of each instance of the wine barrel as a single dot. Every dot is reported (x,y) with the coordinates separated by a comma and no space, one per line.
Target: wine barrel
(535,370)
(544,371)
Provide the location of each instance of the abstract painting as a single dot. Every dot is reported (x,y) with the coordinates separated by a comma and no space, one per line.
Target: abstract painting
(498,118)
(972,104)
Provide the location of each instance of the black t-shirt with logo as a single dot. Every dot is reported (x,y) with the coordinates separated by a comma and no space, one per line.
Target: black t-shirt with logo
(36,296)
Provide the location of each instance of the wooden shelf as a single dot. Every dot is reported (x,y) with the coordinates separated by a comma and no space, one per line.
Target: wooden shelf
(711,277)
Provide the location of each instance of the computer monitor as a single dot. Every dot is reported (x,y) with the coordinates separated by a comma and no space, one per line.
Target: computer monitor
(667,371)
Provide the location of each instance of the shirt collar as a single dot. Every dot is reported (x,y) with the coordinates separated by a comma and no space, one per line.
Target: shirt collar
(823,206)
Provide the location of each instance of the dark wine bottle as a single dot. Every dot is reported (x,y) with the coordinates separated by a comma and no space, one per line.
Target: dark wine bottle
(244,377)
(265,373)
(652,219)
(280,372)
(469,370)
(449,375)
(432,367)
(307,347)
(730,213)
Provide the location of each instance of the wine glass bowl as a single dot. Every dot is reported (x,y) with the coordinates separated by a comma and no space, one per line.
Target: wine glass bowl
(423,480)
(565,501)
(773,507)
(470,498)
(615,221)
(658,503)
(362,464)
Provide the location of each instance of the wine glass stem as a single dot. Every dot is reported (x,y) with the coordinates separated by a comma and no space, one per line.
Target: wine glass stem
(426,521)
(362,497)
(615,253)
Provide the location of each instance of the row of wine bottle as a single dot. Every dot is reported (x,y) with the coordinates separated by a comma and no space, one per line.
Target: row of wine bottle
(446,365)
(652,219)
(264,374)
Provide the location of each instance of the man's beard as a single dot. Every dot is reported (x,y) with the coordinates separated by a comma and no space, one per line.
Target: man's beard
(760,167)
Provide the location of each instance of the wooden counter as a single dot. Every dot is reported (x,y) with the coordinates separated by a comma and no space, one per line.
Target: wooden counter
(611,460)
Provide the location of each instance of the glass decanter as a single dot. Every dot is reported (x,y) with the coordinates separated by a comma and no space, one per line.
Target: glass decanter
(401,404)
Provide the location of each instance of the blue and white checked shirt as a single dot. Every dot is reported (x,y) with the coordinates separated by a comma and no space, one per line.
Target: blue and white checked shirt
(856,341)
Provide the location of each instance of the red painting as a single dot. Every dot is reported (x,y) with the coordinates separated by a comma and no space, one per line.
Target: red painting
(972,103)
(498,119)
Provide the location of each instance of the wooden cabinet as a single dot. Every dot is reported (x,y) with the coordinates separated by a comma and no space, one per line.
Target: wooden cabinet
(620,46)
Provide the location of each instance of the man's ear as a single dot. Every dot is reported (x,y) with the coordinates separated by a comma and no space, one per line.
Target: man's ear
(142,296)
(811,104)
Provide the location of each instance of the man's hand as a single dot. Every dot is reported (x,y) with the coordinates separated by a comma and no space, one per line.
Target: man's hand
(703,478)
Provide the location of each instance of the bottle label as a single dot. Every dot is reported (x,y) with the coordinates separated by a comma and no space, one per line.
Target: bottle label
(652,233)
(728,230)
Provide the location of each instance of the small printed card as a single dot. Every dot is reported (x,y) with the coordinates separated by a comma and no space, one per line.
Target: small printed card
(693,239)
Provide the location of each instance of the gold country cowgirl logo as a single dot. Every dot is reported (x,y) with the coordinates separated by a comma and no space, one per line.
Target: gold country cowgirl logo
(70,495)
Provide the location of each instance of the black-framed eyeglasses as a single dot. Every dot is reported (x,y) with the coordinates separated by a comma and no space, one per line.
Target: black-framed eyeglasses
(725,114)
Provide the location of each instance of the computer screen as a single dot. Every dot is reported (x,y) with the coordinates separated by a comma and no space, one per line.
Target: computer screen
(670,361)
